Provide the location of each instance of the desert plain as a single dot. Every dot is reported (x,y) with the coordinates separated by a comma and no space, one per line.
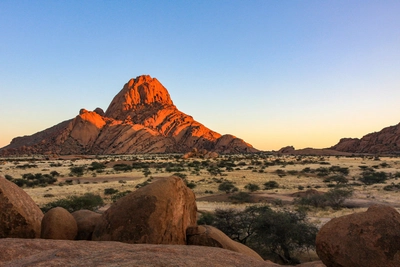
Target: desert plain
(294,176)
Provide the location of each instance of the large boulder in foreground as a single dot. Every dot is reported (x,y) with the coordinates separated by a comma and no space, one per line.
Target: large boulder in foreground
(20,217)
(158,213)
(363,239)
(46,252)
(86,221)
(58,223)
(205,235)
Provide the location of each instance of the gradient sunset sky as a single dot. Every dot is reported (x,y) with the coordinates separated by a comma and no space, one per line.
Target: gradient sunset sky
(274,73)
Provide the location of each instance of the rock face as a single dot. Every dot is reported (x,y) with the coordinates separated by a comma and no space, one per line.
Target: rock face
(386,141)
(86,221)
(158,213)
(205,235)
(58,223)
(140,119)
(42,252)
(20,217)
(364,239)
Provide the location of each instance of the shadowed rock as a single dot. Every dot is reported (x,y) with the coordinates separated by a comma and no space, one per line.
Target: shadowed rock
(205,235)
(58,223)
(363,239)
(20,217)
(86,221)
(158,213)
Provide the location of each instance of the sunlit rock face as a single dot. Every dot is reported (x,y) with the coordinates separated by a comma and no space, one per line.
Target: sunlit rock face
(140,119)
(386,141)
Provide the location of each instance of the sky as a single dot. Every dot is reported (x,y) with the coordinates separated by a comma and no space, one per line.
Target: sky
(272,72)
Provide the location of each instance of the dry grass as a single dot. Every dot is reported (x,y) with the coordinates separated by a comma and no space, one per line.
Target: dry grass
(247,170)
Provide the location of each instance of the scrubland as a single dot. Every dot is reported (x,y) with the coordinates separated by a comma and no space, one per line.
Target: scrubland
(289,175)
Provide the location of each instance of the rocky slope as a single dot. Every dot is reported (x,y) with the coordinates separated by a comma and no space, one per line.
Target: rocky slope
(386,141)
(140,119)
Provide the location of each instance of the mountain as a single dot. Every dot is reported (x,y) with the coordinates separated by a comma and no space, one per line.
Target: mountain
(140,119)
(386,141)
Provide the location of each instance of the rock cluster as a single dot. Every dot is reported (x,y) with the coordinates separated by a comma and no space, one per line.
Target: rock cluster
(386,141)
(140,119)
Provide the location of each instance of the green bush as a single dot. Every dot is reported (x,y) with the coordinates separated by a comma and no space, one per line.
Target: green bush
(333,198)
(227,187)
(87,201)
(77,171)
(267,231)
(372,177)
(270,185)
(110,191)
(122,167)
(240,197)
(252,187)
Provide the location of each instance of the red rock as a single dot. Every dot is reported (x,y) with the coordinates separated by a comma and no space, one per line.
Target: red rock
(43,253)
(86,221)
(366,239)
(58,223)
(158,213)
(140,119)
(386,141)
(20,217)
(205,235)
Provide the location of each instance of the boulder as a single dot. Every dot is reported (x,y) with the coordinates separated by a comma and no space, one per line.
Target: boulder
(58,223)
(43,253)
(364,239)
(205,235)
(86,221)
(20,217)
(158,213)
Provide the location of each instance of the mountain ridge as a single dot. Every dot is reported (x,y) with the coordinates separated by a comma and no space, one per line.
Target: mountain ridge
(141,118)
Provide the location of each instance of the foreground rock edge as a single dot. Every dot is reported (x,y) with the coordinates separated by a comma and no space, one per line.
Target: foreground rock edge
(45,252)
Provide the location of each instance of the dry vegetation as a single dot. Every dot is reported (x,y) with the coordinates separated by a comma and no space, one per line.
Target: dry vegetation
(110,175)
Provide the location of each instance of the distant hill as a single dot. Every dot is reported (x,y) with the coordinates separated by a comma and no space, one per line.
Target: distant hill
(386,141)
(140,119)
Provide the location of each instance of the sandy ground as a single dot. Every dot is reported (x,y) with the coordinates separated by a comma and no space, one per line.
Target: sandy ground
(247,170)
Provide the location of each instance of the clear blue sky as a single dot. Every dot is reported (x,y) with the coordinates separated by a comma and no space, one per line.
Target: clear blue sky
(275,73)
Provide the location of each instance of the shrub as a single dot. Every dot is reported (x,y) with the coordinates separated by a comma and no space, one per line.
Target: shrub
(8,177)
(252,187)
(270,185)
(338,179)
(87,201)
(122,167)
(118,195)
(97,166)
(77,171)
(110,191)
(240,197)
(206,218)
(267,231)
(333,198)
(372,177)
(227,187)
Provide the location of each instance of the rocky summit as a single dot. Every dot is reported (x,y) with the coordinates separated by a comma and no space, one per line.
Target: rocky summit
(140,119)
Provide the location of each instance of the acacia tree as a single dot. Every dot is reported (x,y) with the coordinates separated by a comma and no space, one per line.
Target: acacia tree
(269,232)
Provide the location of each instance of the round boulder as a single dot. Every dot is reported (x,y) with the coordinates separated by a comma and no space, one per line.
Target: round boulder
(86,221)
(158,213)
(364,239)
(20,217)
(58,223)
